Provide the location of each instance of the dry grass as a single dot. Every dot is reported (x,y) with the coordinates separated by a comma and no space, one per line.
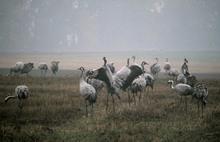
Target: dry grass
(55,112)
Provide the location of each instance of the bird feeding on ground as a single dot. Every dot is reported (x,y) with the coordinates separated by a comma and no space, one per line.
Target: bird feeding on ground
(21,92)
(54,66)
(43,67)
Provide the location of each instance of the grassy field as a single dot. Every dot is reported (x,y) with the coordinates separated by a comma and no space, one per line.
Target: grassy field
(55,111)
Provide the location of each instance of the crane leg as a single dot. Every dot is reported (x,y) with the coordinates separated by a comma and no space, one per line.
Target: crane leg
(202,108)
(106,108)
(113,101)
(186,102)
(198,107)
(129,99)
(86,109)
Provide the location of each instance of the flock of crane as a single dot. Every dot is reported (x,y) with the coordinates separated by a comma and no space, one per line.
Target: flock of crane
(131,78)
(25,68)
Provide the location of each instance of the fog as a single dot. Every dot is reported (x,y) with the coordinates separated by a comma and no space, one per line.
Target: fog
(102,26)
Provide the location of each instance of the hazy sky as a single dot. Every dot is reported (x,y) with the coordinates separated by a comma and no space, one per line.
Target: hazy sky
(109,25)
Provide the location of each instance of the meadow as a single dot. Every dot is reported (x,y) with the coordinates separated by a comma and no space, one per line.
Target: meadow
(55,111)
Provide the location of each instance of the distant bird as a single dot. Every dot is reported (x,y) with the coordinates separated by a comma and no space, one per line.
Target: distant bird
(87,91)
(185,66)
(21,92)
(201,94)
(27,68)
(133,58)
(167,65)
(54,66)
(173,73)
(155,68)
(16,68)
(182,90)
(182,77)
(149,81)
(138,85)
(43,67)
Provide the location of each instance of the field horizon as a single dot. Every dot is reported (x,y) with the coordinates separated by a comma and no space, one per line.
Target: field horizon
(199,61)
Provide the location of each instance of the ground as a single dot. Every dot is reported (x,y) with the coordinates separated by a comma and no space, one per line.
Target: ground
(55,111)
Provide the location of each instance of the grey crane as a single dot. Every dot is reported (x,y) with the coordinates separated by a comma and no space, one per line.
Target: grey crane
(129,73)
(43,67)
(27,68)
(138,85)
(186,78)
(167,66)
(173,73)
(185,66)
(149,81)
(155,68)
(21,92)
(182,90)
(54,66)
(97,84)
(110,66)
(114,83)
(87,91)
(201,94)
(16,68)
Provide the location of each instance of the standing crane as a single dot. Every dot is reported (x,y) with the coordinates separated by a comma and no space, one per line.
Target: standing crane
(155,68)
(43,67)
(201,94)
(167,66)
(87,91)
(54,66)
(182,90)
(138,85)
(185,66)
(114,83)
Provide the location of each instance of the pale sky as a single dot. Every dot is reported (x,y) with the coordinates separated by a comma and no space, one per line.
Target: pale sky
(109,25)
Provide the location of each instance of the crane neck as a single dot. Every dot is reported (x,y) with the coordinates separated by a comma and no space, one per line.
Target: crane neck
(128,62)
(171,85)
(105,61)
(9,97)
(82,76)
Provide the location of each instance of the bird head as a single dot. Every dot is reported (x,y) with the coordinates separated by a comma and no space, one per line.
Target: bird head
(185,72)
(185,60)
(105,61)
(133,57)
(92,73)
(144,63)
(81,68)
(169,82)
(128,62)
